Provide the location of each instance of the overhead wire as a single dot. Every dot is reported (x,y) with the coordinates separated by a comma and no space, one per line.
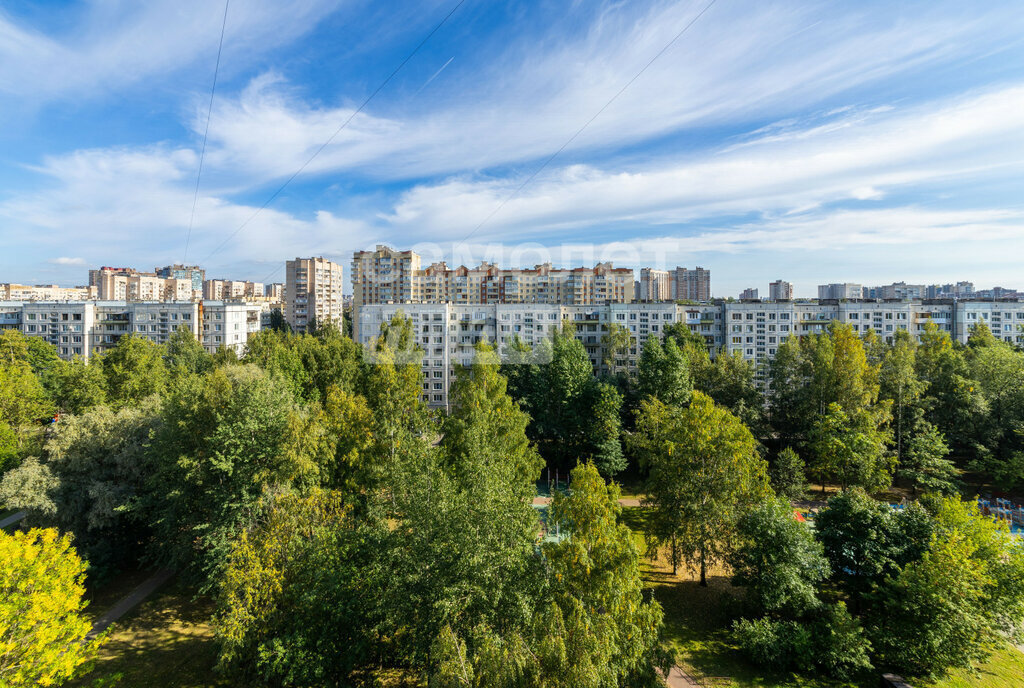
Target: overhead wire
(579,131)
(344,124)
(206,132)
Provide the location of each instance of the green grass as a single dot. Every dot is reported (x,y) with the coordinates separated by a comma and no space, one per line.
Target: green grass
(697,623)
(1004,669)
(166,641)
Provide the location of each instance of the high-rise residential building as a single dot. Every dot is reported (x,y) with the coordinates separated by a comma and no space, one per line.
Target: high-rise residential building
(749,294)
(446,333)
(384,275)
(194,274)
(313,288)
(45,292)
(128,284)
(232,289)
(389,276)
(274,291)
(780,290)
(692,285)
(654,285)
(896,290)
(840,290)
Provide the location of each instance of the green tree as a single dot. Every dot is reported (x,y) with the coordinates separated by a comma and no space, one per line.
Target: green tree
(24,402)
(899,382)
(134,370)
(954,402)
(605,428)
(932,615)
(998,369)
(729,379)
(185,355)
(226,441)
(777,561)
(615,345)
(42,625)
(663,372)
(295,603)
(851,448)
(704,471)
(90,482)
(865,541)
(78,386)
(926,465)
(487,426)
(788,475)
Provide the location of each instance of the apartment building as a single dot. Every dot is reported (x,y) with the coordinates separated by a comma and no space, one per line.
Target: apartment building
(193,274)
(447,333)
(313,292)
(840,290)
(749,294)
(274,291)
(45,292)
(655,285)
(388,276)
(88,328)
(780,290)
(755,330)
(897,290)
(228,324)
(219,290)
(692,285)
(128,284)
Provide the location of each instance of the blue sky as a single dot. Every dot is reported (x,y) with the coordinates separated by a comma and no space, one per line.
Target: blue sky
(867,142)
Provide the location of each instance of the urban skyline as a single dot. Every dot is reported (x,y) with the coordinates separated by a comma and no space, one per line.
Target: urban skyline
(818,137)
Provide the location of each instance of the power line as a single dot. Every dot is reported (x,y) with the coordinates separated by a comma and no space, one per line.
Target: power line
(587,124)
(337,131)
(206,132)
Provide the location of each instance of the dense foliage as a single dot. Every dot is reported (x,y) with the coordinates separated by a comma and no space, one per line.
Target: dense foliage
(42,628)
(346,530)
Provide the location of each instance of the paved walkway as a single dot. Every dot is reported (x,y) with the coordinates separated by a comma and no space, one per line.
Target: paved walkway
(624,501)
(12,519)
(129,601)
(677,678)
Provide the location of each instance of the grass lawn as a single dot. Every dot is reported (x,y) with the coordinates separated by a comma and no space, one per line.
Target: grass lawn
(165,641)
(1005,669)
(697,627)
(697,624)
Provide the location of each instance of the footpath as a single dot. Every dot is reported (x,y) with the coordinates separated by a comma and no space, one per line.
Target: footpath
(130,601)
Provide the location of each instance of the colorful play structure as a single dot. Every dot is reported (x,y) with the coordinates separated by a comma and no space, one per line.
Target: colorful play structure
(1004,510)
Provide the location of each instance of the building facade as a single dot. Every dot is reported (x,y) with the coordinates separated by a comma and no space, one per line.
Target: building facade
(753,331)
(654,285)
(749,294)
(85,329)
(228,324)
(193,274)
(447,333)
(780,290)
(387,276)
(313,292)
(45,292)
(840,290)
(692,285)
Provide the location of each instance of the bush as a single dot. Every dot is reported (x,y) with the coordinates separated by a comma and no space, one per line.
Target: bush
(776,644)
(833,643)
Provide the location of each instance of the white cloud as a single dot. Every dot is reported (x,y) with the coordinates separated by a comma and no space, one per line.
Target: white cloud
(736,65)
(972,137)
(64,260)
(119,43)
